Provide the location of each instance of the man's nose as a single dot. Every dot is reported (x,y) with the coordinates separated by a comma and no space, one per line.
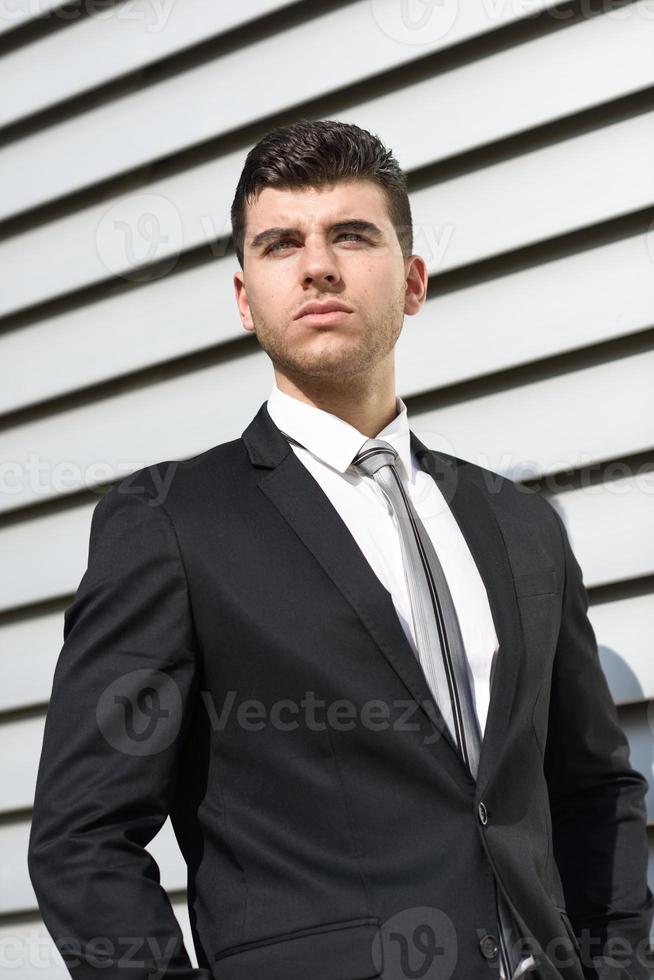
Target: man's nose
(318,262)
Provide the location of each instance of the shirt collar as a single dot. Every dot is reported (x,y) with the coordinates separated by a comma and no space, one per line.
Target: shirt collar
(331,439)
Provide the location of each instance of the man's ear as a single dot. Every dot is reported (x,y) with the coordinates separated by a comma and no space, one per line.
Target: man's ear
(242,300)
(417,279)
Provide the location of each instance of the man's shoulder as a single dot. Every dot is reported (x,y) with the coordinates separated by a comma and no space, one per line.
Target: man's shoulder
(529,523)
(508,497)
(175,482)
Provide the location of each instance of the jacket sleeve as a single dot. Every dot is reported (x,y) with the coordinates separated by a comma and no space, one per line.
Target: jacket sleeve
(122,691)
(599,820)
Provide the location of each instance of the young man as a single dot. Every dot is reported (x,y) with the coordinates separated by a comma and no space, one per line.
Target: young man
(356,672)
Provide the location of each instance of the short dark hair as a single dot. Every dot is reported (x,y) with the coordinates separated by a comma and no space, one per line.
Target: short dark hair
(310,153)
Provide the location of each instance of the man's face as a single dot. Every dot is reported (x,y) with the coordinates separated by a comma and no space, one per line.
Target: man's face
(362,267)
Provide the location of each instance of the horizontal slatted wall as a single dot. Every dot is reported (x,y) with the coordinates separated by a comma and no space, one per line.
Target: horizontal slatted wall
(527,132)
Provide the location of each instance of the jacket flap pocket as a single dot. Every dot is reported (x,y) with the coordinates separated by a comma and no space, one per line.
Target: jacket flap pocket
(542,581)
(568,928)
(334,951)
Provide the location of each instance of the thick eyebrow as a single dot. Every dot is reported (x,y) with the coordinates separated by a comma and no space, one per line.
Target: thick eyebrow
(353,224)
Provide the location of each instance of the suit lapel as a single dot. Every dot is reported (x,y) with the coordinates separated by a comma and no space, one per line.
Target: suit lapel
(471,507)
(301,501)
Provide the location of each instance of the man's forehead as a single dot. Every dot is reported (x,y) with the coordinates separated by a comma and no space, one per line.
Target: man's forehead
(311,205)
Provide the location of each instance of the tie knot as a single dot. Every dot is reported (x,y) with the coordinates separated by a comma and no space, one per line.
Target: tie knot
(373,454)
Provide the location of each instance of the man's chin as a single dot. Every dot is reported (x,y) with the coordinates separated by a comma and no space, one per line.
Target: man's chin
(325,368)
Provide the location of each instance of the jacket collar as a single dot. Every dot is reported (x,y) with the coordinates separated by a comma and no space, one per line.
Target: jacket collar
(331,439)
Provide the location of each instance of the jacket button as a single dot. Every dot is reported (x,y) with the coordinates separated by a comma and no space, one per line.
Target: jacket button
(489,947)
(482,813)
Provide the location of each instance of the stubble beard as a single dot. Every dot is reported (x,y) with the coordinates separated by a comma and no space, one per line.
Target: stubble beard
(328,356)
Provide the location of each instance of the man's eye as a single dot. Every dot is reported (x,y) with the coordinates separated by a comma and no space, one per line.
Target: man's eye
(272,248)
(284,241)
(287,241)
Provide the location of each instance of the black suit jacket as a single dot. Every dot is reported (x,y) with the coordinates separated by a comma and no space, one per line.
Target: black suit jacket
(340,842)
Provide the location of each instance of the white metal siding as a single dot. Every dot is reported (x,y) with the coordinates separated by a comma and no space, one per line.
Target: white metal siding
(527,133)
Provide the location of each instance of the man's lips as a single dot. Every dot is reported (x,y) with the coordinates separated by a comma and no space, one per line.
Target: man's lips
(322,307)
(332,317)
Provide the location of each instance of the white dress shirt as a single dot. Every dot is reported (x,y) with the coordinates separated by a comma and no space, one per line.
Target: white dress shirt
(330,445)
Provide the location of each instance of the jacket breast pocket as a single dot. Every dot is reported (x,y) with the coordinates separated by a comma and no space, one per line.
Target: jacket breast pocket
(542,581)
(332,951)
